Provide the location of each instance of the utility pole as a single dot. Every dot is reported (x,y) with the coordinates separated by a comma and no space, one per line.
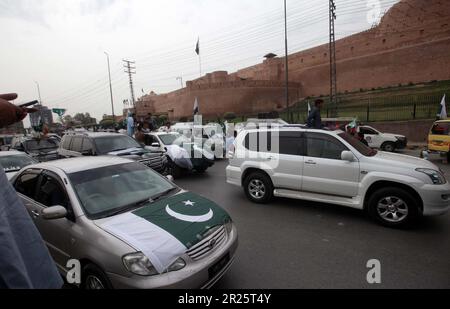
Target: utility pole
(39,92)
(286,61)
(180,78)
(333,70)
(110,88)
(131,70)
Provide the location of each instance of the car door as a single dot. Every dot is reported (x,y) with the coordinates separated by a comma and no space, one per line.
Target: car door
(373,138)
(283,153)
(324,171)
(50,192)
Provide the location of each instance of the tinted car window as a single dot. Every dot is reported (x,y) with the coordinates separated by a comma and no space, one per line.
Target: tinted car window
(368,131)
(258,141)
(324,146)
(77,142)
(66,142)
(26,184)
(290,143)
(87,145)
(51,193)
(440,128)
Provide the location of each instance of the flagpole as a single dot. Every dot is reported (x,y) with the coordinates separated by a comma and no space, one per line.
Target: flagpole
(200,63)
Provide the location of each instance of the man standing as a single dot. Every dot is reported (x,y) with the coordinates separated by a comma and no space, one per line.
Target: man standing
(130,125)
(314,118)
(25,262)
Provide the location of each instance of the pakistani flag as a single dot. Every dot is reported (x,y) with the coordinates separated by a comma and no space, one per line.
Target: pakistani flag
(353,124)
(197,47)
(165,230)
(443,109)
(196,108)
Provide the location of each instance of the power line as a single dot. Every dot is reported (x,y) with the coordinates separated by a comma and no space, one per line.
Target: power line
(131,70)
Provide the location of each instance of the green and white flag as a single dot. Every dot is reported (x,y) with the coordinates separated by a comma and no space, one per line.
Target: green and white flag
(165,230)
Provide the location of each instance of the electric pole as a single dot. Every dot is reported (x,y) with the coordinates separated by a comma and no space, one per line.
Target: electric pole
(333,70)
(286,61)
(110,88)
(39,92)
(130,69)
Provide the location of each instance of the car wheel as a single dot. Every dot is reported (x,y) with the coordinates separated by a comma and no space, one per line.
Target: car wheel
(259,188)
(174,170)
(393,207)
(201,170)
(94,278)
(388,147)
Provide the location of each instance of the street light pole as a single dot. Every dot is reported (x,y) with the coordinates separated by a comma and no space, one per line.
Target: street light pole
(286,61)
(110,88)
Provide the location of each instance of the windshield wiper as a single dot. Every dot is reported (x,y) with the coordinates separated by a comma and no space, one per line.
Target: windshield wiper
(129,207)
(162,194)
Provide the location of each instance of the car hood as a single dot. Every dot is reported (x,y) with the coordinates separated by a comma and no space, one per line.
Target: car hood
(397,160)
(392,135)
(167,229)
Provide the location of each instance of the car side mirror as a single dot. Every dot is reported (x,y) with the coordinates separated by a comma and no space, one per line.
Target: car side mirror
(87,152)
(170,178)
(156,145)
(347,156)
(54,213)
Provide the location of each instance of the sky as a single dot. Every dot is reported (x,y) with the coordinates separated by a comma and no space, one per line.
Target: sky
(60,45)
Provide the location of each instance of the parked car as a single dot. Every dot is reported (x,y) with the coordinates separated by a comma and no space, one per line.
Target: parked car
(5,142)
(210,136)
(184,155)
(40,148)
(385,141)
(439,138)
(334,167)
(78,144)
(129,226)
(14,161)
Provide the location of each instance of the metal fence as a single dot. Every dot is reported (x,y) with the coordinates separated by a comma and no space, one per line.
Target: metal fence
(393,108)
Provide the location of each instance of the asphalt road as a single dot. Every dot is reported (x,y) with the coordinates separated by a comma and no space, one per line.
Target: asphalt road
(296,244)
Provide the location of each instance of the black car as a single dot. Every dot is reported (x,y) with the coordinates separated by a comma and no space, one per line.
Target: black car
(41,149)
(99,144)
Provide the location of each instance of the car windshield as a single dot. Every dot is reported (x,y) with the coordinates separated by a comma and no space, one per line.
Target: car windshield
(360,147)
(109,144)
(42,145)
(15,163)
(106,191)
(169,139)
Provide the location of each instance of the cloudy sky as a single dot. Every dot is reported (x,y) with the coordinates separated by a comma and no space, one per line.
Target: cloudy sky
(61,43)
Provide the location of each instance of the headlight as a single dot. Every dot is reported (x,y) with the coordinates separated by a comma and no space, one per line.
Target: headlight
(228,225)
(139,264)
(436,177)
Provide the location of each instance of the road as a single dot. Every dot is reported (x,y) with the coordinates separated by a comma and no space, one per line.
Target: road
(297,244)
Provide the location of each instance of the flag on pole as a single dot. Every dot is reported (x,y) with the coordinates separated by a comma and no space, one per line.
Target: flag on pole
(196,109)
(443,113)
(197,47)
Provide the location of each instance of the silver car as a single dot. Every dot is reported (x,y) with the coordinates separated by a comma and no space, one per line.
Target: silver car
(127,225)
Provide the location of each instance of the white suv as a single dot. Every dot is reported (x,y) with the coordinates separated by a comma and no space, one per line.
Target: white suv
(335,168)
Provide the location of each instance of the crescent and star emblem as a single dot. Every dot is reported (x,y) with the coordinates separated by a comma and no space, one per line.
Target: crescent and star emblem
(187,218)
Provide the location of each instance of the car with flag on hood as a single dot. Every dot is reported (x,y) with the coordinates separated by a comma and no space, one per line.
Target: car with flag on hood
(129,226)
